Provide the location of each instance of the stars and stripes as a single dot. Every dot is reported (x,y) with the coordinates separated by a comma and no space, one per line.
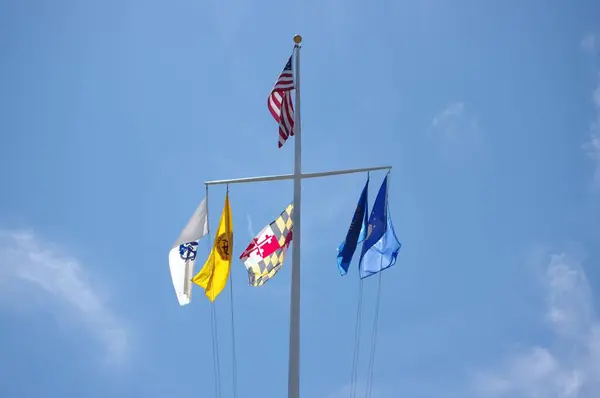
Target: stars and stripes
(280,103)
(265,254)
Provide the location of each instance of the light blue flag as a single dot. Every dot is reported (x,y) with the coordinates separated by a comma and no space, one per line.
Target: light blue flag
(381,246)
(356,232)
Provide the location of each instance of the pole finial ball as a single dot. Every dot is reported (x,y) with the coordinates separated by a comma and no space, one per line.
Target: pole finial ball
(297,39)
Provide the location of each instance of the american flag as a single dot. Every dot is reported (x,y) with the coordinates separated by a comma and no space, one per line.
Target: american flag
(280,103)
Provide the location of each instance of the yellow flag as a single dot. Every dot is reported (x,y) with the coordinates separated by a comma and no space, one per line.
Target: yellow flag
(213,275)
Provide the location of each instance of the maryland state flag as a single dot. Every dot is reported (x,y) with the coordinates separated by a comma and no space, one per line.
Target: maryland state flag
(265,254)
(213,275)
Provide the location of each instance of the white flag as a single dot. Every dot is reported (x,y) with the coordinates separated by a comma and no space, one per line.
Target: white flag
(182,256)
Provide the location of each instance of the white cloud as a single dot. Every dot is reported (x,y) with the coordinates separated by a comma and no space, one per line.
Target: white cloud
(590,44)
(569,367)
(456,129)
(37,272)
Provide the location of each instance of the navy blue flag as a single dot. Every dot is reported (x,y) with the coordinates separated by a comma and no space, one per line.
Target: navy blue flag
(381,246)
(355,234)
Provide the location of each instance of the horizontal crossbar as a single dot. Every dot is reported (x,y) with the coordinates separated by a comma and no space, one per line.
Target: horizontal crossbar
(291,176)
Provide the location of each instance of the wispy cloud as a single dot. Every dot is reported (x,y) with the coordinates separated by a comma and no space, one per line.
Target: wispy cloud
(569,367)
(592,146)
(39,272)
(456,129)
(340,17)
(591,46)
(229,16)
(446,118)
(360,388)
(250,227)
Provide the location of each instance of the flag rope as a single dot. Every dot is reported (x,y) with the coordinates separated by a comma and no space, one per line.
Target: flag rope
(215,338)
(371,369)
(215,334)
(373,340)
(216,361)
(233,351)
(354,375)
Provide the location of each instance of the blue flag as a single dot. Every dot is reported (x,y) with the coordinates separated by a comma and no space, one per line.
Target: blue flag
(355,234)
(381,246)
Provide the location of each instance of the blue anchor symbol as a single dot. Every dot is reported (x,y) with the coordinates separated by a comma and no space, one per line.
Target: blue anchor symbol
(187,251)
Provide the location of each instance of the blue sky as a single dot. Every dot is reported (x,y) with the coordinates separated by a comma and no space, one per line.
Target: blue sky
(113,114)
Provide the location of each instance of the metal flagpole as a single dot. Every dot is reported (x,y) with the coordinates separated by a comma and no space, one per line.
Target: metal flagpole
(294,337)
(294,348)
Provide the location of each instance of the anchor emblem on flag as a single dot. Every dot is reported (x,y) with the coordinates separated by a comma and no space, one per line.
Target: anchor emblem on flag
(188,250)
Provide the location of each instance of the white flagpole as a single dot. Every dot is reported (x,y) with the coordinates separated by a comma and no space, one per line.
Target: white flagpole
(294,348)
